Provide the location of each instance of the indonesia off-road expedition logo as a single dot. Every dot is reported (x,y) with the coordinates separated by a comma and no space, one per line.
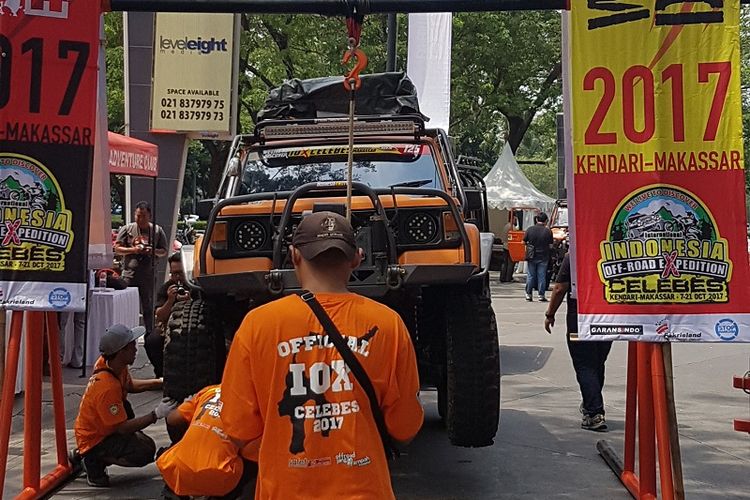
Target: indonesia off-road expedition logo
(35,231)
(663,246)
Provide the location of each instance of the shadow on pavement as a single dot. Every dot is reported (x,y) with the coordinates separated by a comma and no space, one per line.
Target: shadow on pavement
(527,461)
(520,359)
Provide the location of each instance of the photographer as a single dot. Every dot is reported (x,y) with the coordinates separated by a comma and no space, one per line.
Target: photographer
(139,243)
(173,291)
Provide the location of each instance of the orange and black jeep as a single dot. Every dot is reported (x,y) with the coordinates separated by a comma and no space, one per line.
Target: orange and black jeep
(414,218)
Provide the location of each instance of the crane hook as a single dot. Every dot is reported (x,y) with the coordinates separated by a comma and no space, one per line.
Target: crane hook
(352,81)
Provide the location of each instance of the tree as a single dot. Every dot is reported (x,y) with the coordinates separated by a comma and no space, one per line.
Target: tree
(506,69)
(505,74)
(543,176)
(113,54)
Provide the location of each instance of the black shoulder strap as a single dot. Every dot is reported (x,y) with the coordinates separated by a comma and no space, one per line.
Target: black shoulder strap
(355,366)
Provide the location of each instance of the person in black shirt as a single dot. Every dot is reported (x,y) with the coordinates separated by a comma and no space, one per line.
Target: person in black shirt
(173,291)
(538,240)
(588,357)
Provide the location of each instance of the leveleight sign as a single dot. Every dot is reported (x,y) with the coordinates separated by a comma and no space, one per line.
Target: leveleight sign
(194,86)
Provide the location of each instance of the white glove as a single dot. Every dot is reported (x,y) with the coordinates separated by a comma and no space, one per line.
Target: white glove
(163,408)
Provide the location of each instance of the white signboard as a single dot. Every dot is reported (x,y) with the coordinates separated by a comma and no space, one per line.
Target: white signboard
(194,81)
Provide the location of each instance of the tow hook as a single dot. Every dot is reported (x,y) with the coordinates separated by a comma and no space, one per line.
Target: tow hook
(395,277)
(275,282)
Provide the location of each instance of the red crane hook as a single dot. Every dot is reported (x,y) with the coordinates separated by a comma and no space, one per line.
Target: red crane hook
(352,81)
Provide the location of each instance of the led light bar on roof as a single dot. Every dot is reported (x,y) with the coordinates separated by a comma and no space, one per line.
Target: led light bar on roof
(337,129)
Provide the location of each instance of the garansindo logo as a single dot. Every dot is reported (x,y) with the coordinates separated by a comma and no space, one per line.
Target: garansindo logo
(192,45)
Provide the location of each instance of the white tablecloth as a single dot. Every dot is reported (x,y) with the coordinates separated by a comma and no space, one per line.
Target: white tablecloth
(108,307)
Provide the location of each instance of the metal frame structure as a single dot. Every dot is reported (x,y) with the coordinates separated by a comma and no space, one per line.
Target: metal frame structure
(332,7)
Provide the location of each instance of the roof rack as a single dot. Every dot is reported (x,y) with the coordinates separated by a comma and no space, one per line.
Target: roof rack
(371,125)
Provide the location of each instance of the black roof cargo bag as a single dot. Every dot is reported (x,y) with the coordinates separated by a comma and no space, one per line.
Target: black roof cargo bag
(380,94)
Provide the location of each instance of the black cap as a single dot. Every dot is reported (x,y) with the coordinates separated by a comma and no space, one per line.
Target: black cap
(321,231)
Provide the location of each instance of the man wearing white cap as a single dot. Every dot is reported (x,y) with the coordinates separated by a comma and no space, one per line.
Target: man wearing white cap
(106,429)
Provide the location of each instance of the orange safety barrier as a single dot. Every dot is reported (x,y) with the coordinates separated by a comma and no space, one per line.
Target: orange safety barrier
(742,383)
(647,412)
(34,486)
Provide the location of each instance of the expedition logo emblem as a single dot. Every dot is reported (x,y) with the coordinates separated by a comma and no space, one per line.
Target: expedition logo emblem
(727,329)
(662,247)
(35,226)
(59,298)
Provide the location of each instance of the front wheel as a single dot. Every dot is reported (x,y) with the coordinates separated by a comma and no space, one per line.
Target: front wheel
(473,366)
(193,349)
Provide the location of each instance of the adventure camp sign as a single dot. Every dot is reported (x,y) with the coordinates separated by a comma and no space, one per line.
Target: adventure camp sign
(658,171)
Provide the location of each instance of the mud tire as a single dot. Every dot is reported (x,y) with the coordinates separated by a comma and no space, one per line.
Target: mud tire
(193,350)
(473,370)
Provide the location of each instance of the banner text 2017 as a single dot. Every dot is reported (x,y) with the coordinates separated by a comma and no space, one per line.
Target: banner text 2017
(672,79)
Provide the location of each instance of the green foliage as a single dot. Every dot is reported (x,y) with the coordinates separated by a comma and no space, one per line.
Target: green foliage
(506,68)
(745,85)
(543,176)
(115,71)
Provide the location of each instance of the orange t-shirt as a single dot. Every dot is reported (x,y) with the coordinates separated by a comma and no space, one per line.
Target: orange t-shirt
(125,379)
(205,462)
(286,381)
(101,410)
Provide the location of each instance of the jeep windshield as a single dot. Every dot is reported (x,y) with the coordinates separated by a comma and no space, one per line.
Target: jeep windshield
(377,165)
(561,218)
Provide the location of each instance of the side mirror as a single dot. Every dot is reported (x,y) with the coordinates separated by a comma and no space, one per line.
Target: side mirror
(205,207)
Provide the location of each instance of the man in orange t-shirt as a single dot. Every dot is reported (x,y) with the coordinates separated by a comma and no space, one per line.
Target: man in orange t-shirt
(286,383)
(106,430)
(205,462)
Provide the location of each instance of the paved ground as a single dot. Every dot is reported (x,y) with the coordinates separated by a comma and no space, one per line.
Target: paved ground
(540,451)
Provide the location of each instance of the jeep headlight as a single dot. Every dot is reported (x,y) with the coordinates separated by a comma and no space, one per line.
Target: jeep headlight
(250,235)
(420,227)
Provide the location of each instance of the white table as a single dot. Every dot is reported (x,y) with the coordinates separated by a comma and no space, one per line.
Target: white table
(106,308)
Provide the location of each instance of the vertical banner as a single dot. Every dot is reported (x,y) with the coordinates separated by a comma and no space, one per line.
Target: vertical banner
(195,82)
(429,64)
(658,171)
(48,78)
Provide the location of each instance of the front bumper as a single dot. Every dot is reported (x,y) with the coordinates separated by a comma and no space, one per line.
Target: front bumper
(284,281)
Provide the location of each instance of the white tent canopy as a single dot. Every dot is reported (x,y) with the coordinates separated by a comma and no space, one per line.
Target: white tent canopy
(508,188)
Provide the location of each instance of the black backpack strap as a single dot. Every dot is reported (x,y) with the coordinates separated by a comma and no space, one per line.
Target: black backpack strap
(355,366)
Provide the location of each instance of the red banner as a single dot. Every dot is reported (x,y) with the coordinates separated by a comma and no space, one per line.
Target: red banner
(48,78)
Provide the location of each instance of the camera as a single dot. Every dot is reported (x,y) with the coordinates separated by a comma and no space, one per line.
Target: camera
(181,290)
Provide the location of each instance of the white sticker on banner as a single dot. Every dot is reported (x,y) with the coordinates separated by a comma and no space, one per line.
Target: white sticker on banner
(42,296)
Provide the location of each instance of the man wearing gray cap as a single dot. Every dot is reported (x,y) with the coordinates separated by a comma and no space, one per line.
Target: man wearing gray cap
(106,429)
(285,381)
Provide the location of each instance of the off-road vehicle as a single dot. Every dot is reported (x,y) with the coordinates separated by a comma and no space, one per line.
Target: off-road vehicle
(415,219)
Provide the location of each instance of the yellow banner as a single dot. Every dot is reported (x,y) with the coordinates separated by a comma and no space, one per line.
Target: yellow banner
(656,86)
(658,170)
(194,87)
